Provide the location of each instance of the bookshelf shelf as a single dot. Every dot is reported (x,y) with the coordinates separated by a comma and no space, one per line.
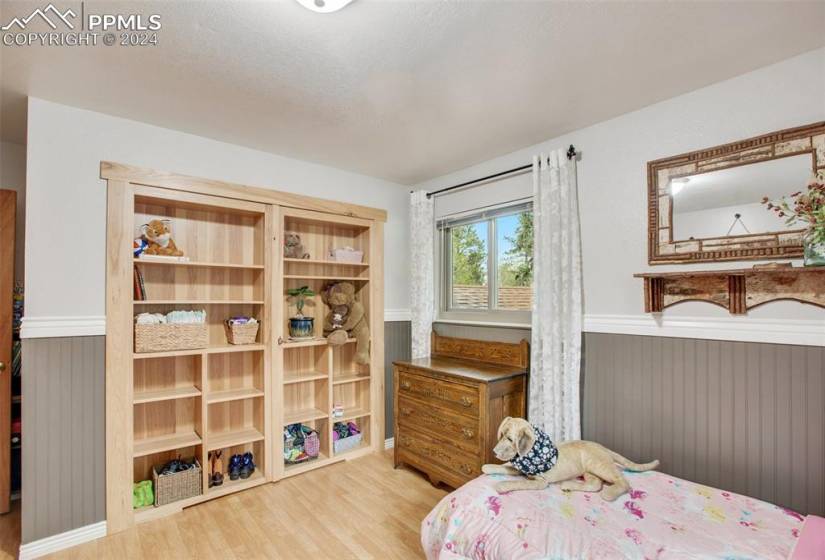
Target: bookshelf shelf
(354,378)
(320,341)
(304,415)
(304,377)
(326,262)
(197,264)
(326,277)
(352,414)
(198,302)
(148,446)
(230,486)
(161,395)
(223,440)
(233,395)
(217,349)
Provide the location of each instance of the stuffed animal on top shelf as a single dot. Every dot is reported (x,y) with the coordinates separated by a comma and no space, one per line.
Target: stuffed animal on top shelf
(293,248)
(159,239)
(346,317)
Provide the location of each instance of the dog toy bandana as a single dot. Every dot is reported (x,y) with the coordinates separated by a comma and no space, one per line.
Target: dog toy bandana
(541,458)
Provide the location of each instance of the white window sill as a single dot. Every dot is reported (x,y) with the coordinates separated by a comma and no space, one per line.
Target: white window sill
(496,324)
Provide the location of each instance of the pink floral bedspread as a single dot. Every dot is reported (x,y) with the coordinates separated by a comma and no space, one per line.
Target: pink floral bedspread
(662,517)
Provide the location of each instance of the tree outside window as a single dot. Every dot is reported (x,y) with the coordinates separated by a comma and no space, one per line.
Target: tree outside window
(502,244)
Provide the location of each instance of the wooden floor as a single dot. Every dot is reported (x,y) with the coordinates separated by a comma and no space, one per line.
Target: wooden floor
(358,509)
(10,532)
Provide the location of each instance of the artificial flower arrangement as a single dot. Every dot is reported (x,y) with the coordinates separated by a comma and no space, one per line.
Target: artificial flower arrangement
(807,207)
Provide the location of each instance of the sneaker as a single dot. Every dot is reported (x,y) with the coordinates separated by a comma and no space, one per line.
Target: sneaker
(247,465)
(235,467)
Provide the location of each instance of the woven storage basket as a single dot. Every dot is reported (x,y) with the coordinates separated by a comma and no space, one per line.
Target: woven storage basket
(241,334)
(347,443)
(178,486)
(170,336)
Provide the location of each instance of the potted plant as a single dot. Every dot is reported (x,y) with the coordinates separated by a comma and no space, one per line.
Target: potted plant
(807,207)
(300,326)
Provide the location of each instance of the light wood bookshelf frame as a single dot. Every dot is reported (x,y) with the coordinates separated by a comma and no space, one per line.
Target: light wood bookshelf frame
(189,402)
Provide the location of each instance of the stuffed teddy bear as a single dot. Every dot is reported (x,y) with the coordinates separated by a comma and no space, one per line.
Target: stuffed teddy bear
(348,317)
(293,248)
(159,239)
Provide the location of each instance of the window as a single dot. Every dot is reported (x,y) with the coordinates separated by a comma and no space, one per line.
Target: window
(486,266)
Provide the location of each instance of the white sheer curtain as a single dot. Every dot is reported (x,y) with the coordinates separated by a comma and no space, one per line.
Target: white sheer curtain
(557,298)
(422,261)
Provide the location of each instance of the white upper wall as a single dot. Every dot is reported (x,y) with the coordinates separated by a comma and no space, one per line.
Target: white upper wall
(66,230)
(612,174)
(13,177)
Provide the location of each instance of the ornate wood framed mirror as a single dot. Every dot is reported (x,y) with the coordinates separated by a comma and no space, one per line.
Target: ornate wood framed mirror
(706,206)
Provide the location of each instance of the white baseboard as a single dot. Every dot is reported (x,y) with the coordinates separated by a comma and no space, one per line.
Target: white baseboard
(54,327)
(743,329)
(391,315)
(62,541)
(389,443)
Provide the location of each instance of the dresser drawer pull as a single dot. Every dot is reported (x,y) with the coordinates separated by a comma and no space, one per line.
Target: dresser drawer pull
(405,385)
(406,411)
(466,469)
(468,433)
(466,401)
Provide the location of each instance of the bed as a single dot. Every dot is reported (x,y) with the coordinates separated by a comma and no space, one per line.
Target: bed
(663,517)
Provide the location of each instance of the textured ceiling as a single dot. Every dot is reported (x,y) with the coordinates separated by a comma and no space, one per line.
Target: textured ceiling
(402,90)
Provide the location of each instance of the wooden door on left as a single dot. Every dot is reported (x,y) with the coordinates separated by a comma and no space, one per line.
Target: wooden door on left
(8,205)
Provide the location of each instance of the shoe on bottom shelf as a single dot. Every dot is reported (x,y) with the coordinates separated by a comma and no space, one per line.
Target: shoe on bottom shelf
(235,463)
(247,465)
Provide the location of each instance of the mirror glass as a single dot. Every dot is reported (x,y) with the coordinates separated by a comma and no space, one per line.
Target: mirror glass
(728,202)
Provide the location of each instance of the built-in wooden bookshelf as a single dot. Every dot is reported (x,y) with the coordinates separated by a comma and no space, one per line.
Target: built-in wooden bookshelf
(317,376)
(236,398)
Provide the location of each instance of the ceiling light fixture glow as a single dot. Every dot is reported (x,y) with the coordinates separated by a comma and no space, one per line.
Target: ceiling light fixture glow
(324,6)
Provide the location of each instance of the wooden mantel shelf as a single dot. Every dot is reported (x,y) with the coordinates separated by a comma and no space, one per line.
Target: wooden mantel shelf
(736,290)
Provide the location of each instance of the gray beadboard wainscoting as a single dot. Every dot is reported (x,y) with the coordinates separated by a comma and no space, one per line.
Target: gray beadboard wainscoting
(397,346)
(741,416)
(64,482)
(746,417)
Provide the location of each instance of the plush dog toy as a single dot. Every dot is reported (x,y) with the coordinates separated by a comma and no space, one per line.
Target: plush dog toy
(159,239)
(531,452)
(341,300)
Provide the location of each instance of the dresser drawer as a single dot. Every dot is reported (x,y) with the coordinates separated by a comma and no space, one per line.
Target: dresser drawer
(463,431)
(453,396)
(421,449)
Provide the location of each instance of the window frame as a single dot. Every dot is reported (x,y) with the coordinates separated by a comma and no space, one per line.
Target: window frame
(493,315)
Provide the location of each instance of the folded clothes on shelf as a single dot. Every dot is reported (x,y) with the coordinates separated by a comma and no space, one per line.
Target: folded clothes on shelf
(173,317)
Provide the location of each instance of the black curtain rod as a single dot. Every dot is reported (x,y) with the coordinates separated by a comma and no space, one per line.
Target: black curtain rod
(571,153)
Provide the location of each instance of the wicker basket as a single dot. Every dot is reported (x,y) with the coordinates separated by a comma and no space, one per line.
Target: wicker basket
(178,486)
(241,334)
(347,444)
(170,336)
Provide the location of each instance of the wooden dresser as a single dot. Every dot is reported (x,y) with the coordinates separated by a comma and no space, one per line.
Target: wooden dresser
(448,407)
